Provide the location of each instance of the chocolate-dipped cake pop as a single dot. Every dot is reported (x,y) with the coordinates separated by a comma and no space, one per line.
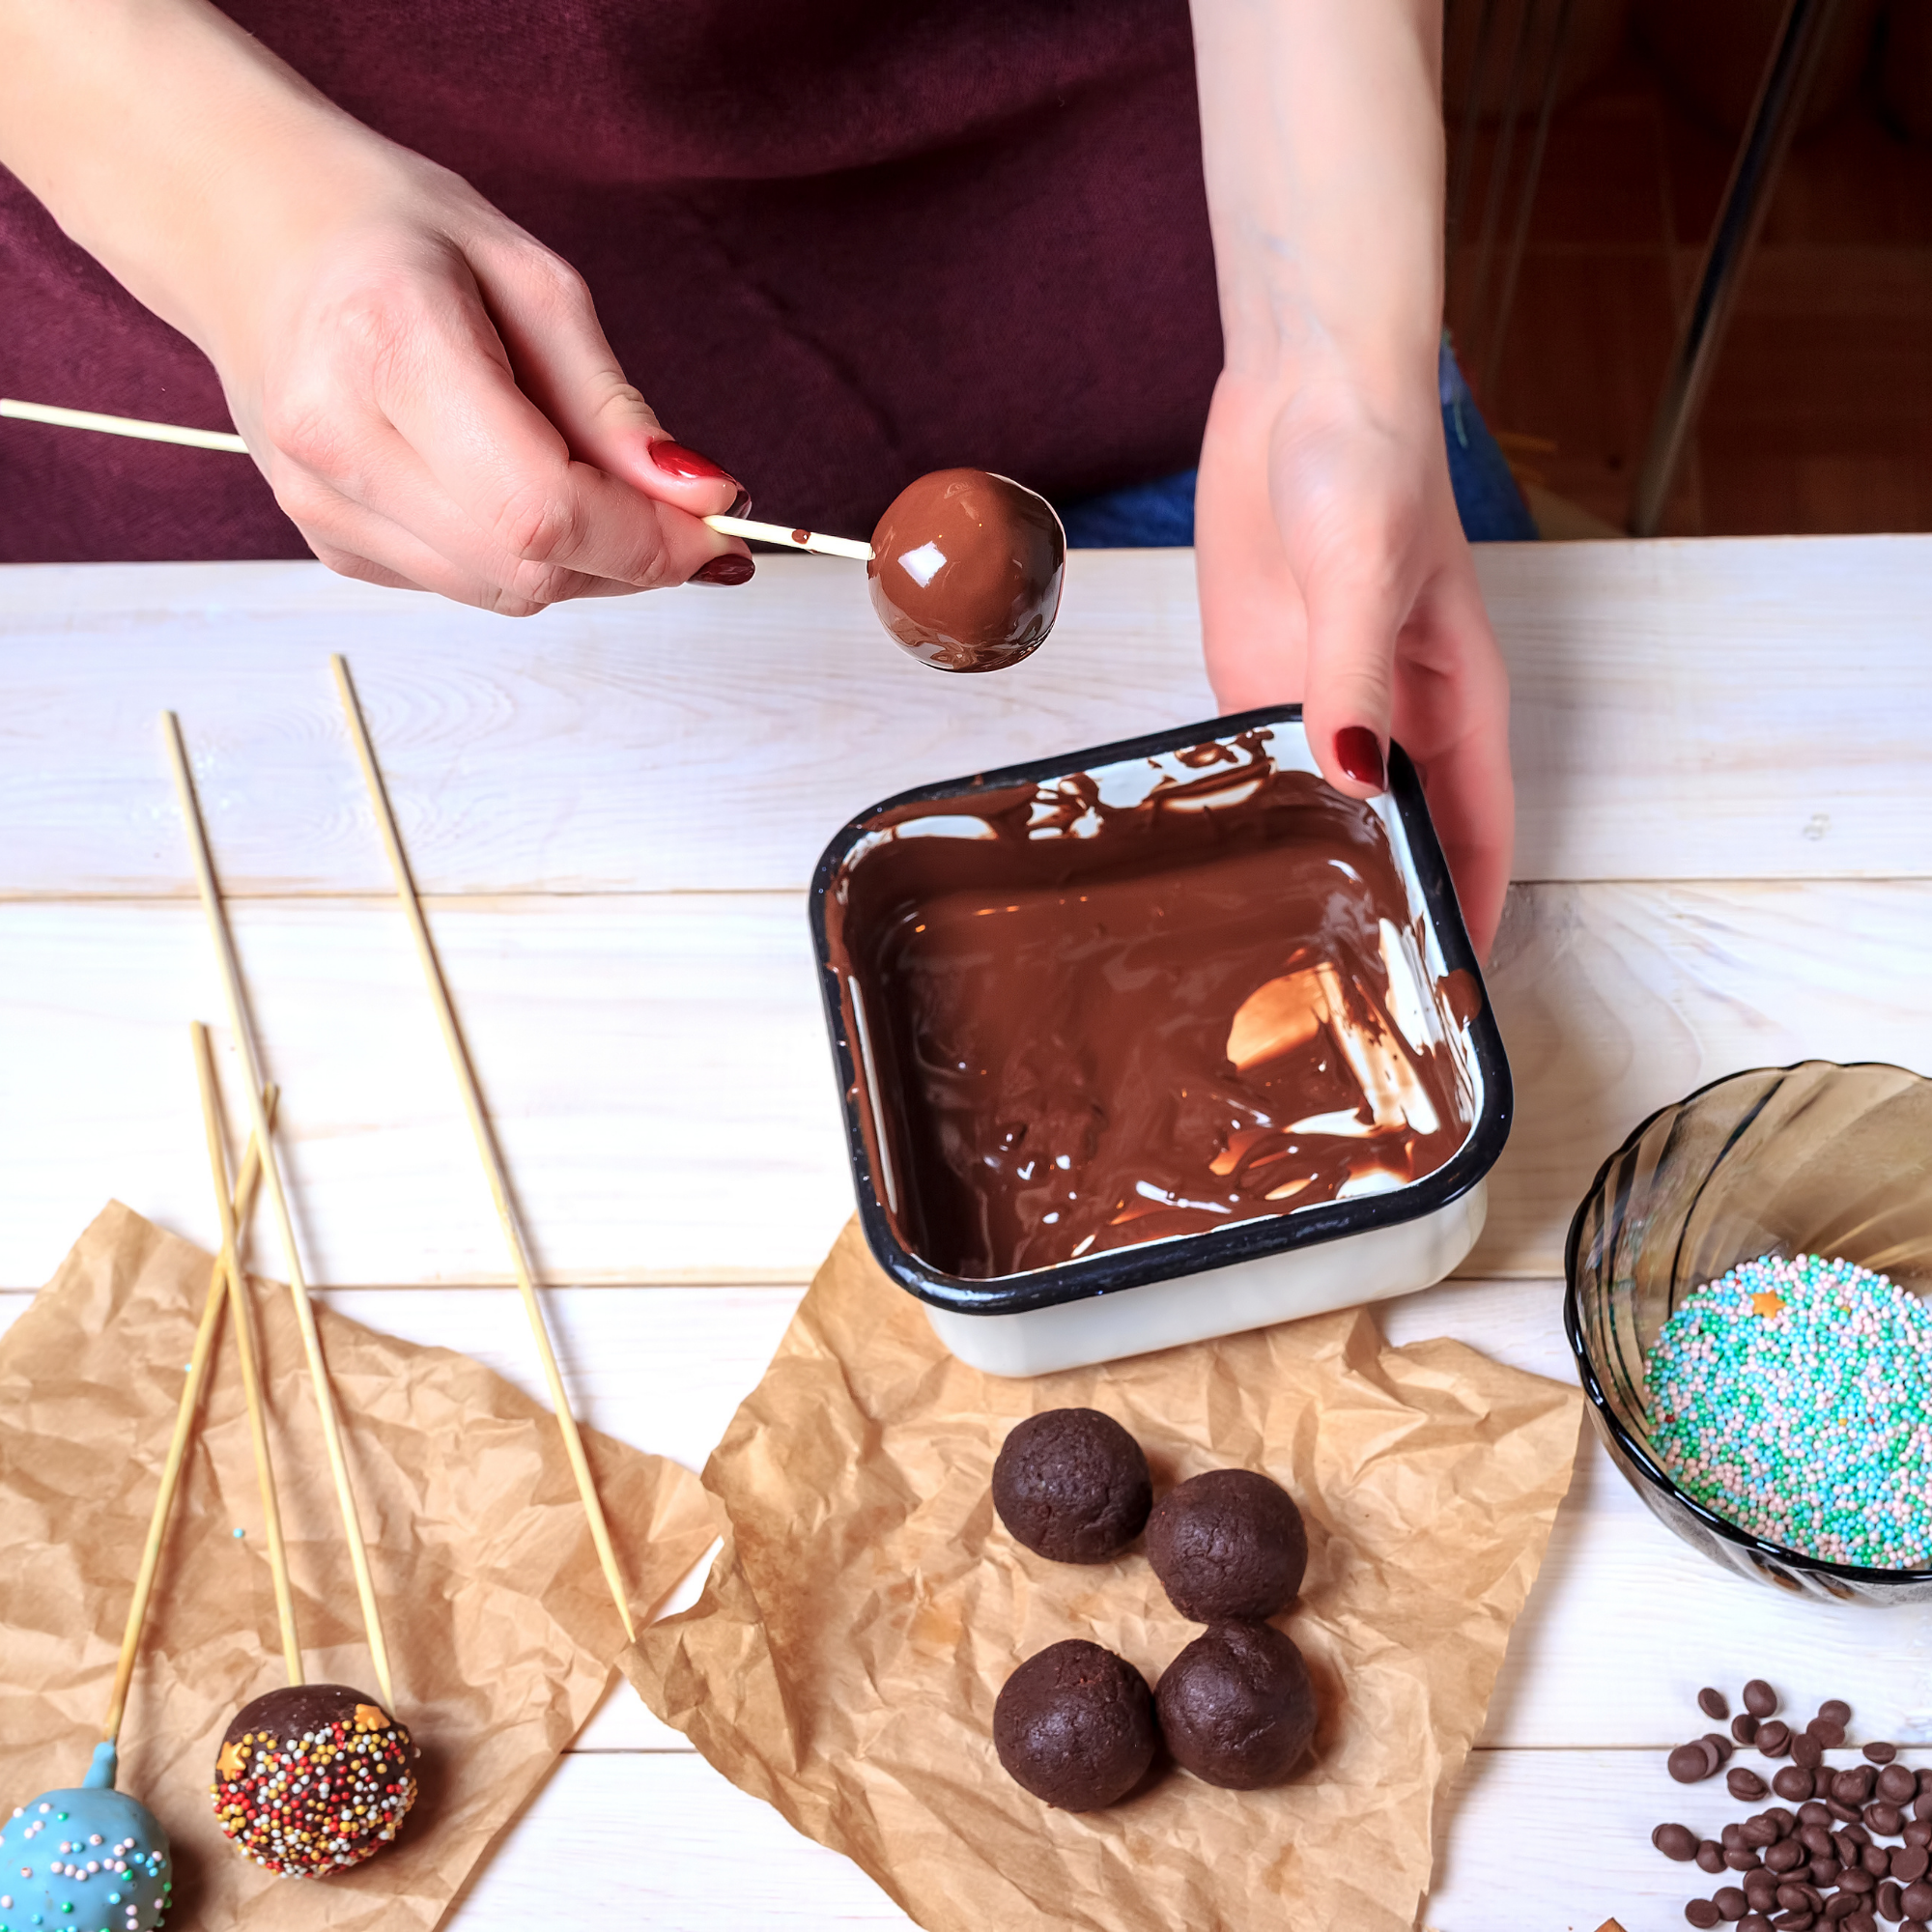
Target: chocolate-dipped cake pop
(1237,1707)
(1072,1483)
(1227,1544)
(1074,1724)
(313,1778)
(966,570)
(90,1857)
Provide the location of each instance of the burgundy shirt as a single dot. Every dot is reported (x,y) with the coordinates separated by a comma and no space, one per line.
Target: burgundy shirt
(836,246)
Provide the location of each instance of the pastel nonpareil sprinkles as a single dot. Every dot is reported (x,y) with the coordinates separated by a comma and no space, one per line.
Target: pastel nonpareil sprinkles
(1794,1399)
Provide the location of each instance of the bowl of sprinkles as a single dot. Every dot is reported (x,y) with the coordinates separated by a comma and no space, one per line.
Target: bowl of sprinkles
(1748,1285)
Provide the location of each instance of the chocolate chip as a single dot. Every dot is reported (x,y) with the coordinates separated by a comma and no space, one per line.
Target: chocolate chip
(1713,1703)
(1908,1863)
(1814,1813)
(1890,1900)
(1745,1785)
(1883,1819)
(1825,1873)
(1835,1711)
(1743,1727)
(1925,1781)
(1805,1749)
(1921,1806)
(1786,1824)
(1855,1878)
(1846,1814)
(1847,1847)
(1732,1837)
(1918,1900)
(1711,1856)
(1721,1745)
(1897,1785)
(1701,1912)
(1918,1833)
(1854,1786)
(1687,1763)
(1760,1700)
(1792,1782)
(1881,1753)
(1730,1902)
(1860,1921)
(1759,1831)
(1816,1840)
(1841,1907)
(1876,1860)
(1856,1831)
(1743,1860)
(1675,1841)
(1785,1855)
(1773,1739)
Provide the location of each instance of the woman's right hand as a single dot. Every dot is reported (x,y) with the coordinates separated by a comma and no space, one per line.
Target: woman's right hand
(424,385)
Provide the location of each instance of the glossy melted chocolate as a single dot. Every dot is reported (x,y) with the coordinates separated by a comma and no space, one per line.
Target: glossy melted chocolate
(966,570)
(1092,1026)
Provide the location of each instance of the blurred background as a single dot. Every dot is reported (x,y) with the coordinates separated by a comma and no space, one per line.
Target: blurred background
(1592,144)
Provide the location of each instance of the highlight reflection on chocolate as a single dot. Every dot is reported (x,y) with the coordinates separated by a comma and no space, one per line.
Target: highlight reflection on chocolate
(1092,1026)
(966,569)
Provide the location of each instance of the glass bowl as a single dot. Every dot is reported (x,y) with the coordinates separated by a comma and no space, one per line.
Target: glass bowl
(1816,1158)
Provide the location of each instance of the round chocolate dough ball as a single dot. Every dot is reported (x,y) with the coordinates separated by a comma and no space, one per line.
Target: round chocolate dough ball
(1073,1485)
(966,569)
(1227,1544)
(1075,1725)
(1235,1706)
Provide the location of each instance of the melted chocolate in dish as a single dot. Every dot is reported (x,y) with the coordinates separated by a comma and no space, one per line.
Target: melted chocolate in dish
(1093,1025)
(966,568)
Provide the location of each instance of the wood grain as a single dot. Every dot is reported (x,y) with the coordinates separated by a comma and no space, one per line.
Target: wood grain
(658,1072)
(1683,711)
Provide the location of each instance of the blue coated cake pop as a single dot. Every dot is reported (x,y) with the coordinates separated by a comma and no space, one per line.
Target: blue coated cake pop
(86,1861)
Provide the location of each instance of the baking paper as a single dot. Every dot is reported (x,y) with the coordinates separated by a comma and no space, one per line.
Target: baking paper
(867,1605)
(500,1628)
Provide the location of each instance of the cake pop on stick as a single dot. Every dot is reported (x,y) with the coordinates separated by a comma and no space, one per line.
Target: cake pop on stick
(89,1856)
(311,1779)
(964,568)
(486,1142)
(244,1346)
(244,1039)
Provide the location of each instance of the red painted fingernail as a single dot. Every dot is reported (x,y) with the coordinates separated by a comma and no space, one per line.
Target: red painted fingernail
(687,465)
(724,570)
(1359,753)
(741,505)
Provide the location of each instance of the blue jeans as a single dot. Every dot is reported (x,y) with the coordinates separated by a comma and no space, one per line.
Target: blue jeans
(1160,515)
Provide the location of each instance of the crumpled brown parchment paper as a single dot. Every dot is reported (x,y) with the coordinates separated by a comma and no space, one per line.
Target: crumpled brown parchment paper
(500,1628)
(866,1606)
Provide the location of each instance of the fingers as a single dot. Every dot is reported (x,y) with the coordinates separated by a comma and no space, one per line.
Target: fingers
(405,440)
(557,350)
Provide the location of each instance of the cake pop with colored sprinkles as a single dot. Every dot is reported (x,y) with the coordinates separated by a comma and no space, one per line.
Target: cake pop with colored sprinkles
(91,1859)
(313,1778)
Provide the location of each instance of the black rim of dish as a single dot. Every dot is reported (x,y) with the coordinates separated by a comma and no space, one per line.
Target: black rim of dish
(1630,1451)
(1122,1269)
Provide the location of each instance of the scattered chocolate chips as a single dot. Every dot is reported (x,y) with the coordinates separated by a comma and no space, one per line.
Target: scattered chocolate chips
(1807,1750)
(1713,1703)
(1703,1913)
(1835,1711)
(1918,1900)
(1687,1763)
(1676,1841)
(1910,1864)
(1745,1786)
(1711,1856)
(1730,1901)
(1881,1753)
(1828,1732)
(1792,1782)
(1774,1737)
(1897,1785)
(1743,1727)
(1760,1700)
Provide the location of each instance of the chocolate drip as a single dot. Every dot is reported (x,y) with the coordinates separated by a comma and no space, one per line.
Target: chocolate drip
(1094,1025)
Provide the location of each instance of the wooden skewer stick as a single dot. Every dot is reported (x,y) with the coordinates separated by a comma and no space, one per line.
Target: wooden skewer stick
(486,1141)
(778,534)
(171,1468)
(244,1039)
(219,439)
(147,431)
(244,1342)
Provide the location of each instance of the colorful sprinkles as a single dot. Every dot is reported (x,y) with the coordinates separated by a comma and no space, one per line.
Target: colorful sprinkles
(1794,1399)
(318,1801)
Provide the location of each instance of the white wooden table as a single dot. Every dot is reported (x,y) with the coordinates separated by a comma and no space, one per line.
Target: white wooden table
(1726,855)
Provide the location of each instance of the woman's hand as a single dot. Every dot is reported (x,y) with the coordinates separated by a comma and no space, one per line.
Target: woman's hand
(424,385)
(1332,564)
(1333,569)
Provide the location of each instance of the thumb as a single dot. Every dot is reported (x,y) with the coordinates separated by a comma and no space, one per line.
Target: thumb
(566,366)
(1349,698)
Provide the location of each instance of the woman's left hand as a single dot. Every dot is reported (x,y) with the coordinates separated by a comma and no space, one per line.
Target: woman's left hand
(1333,569)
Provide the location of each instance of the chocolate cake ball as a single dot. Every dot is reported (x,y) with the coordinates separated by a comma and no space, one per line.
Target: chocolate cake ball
(1235,1706)
(966,568)
(1229,1544)
(1073,1485)
(313,1778)
(1075,1725)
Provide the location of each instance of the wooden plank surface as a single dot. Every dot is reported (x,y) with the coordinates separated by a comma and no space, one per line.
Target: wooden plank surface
(1724,814)
(1744,710)
(659,1069)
